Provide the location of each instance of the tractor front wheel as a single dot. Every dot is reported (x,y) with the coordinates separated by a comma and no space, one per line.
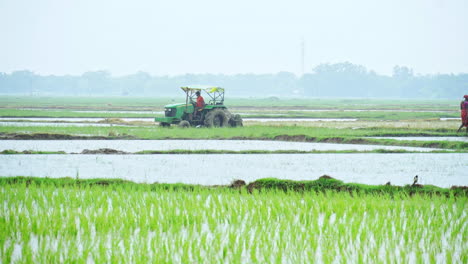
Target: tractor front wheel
(216,118)
(164,124)
(236,121)
(184,124)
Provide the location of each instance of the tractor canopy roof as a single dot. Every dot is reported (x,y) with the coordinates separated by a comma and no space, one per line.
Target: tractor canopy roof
(208,89)
(216,94)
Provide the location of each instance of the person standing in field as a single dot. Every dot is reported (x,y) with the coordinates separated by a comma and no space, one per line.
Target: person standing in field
(464,114)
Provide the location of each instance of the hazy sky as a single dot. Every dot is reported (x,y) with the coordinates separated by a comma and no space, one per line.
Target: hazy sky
(243,36)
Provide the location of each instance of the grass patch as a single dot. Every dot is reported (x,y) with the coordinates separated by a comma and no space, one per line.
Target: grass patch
(256,131)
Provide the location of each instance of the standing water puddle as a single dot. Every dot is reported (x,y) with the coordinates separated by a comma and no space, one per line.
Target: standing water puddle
(76,146)
(442,170)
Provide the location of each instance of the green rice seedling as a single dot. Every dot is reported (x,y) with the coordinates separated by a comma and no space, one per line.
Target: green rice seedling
(143,223)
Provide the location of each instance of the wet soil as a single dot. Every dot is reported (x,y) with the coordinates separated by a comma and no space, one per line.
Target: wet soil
(455,187)
(237,184)
(120,121)
(103,151)
(294,138)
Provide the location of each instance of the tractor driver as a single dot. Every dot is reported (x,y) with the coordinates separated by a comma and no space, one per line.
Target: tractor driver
(200,103)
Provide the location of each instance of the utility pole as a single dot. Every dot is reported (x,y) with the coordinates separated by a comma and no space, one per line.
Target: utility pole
(302,56)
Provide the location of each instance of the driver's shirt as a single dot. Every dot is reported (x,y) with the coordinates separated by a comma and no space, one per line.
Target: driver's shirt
(200,102)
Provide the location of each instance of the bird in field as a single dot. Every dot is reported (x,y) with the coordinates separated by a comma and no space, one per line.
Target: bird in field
(415,180)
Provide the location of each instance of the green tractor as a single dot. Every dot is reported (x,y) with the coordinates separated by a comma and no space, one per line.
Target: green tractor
(213,114)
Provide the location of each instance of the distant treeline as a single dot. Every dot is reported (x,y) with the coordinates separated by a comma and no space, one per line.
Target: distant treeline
(326,80)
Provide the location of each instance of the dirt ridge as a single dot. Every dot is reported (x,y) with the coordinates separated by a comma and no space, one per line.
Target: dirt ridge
(103,151)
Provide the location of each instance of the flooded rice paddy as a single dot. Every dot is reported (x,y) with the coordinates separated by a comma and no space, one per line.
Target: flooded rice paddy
(52,124)
(76,146)
(442,170)
(73,120)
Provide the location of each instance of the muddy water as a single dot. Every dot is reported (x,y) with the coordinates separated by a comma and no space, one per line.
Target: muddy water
(76,146)
(442,170)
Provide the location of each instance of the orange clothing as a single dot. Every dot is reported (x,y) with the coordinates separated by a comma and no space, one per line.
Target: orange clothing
(200,102)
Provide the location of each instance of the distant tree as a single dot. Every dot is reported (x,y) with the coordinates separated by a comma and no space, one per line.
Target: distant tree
(402,72)
(404,83)
(96,82)
(339,80)
(22,81)
(286,82)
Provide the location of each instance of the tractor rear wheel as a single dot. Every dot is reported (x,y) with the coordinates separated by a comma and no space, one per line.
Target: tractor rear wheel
(216,118)
(184,124)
